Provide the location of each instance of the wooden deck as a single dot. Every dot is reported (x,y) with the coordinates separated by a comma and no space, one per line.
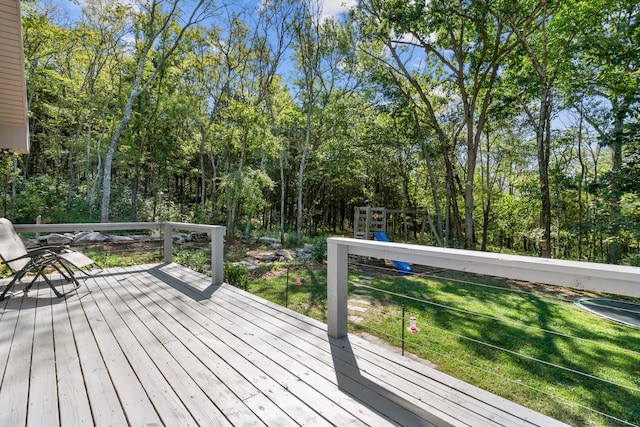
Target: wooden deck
(159,345)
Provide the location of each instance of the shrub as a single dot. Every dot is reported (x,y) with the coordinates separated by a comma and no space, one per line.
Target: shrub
(193,259)
(319,250)
(236,275)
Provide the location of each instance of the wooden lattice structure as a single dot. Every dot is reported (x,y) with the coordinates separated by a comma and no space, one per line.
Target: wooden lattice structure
(366,220)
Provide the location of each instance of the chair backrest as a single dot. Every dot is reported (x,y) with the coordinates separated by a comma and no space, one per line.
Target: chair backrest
(11,246)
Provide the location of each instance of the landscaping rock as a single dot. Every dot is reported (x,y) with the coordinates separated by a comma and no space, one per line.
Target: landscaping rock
(247,239)
(285,255)
(30,243)
(244,263)
(57,239)
(265,256)
(120,239)
(90,237)
(302,254)
(180,238)
(200,237)
(268,241)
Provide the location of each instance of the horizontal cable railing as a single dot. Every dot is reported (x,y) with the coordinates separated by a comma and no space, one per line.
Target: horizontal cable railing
(357,268)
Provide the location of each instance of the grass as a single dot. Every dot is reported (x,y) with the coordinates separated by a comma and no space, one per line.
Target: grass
(451,339)
(310,298)
(122,258)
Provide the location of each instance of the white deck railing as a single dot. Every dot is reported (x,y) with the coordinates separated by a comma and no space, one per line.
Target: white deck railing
(216,232)
(613,279)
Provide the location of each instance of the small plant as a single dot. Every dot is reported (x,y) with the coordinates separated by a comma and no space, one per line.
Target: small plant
(193,259)
(4,272)
(236,275)
(319,250)
(121,259)
(291,240)
(265,268)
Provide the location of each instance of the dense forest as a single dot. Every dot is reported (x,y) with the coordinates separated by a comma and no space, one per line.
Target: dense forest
(503,125)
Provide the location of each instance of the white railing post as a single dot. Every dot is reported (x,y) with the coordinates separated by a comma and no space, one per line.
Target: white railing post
(168,242)
(217,255)
(337,287)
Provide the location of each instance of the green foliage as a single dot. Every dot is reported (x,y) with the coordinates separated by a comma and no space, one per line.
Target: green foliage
(116,258)
(236,275)
(47,196)
(290,239)
(193,259)
(319,250)
(5,272)
(265,268)
(310,298)
(223,137)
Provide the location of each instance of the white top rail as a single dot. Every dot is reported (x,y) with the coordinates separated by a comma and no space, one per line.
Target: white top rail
(215,231)
(613,279)
(98,226)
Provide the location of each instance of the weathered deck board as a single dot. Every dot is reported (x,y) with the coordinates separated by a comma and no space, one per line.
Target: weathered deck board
(246,361)
(43,393)
(148,360)
(253,348)
(72,393)
(253,318)
(370,365)
(157,344)
(14,397)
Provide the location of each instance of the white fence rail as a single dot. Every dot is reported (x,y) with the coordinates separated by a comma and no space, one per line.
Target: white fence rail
(613,279)
(216,233)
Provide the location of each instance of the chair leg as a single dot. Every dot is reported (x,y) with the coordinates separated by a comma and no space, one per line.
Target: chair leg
(39,268)
(70,278)
(11,284)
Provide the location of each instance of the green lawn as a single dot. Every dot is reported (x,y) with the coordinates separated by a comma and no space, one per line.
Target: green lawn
(514,321)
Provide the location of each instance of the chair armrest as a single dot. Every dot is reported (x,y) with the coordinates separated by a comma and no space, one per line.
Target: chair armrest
(33,253)
(51,248)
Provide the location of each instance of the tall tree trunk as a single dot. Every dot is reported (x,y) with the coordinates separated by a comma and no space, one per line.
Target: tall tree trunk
(486,206)
(71,182)
(13,188)
(214,188)
(203,175)
(580,183)
(543,139)
(305,150)
(108,159)
(159,24)
(433,183)
(5,190)
(282,196)
(614,249)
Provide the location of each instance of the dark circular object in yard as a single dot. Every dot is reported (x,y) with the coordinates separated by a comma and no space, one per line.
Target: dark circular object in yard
(618,311)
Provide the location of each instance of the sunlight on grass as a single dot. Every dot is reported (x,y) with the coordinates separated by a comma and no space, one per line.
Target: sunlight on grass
(122,259)
(452,337)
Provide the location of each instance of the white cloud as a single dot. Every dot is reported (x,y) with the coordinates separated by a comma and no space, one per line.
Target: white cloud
(335,7)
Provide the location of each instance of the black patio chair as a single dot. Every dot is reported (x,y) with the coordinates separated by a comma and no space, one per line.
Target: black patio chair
(21,261)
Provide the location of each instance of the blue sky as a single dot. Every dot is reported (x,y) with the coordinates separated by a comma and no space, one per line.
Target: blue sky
(329,7)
